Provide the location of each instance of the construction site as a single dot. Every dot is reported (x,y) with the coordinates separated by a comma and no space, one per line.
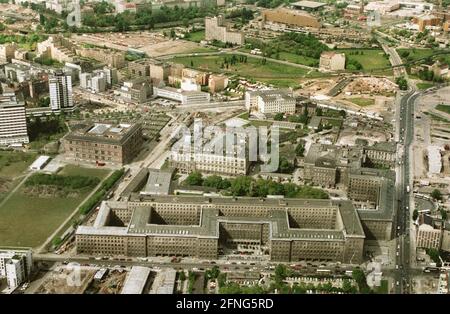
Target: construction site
(432,135)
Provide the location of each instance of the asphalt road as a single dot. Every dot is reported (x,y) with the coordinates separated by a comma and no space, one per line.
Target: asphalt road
(403,218)
(306,269)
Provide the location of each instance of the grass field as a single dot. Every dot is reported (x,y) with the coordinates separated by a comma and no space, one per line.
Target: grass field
(292,57)
(436,117)
(197,36)
(258,123)
(362,102)
(443,108)
(370,58)
(13,163)
(71,170)
(383,288)
(28,220)
(415,54)
(202,50)
(424,85)
(282,75)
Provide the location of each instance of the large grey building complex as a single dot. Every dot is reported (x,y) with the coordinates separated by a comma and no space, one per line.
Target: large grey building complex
(371,190)
(60,86)
(326,165)
(373,194)
(216,30)
(13,124)
(290,229)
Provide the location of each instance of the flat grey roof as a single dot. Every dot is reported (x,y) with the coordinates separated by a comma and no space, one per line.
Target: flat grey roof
(158,183)
(386,196)
(308,4)
(136,280)
(276,216)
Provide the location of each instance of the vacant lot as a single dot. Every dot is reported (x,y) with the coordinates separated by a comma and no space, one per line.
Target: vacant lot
(362,102)
(28,219)
(253,68)
(12,166)
(13,163)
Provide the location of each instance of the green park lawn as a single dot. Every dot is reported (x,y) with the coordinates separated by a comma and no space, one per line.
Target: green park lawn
(424,85)
(370,59)
(253,69)
(28,220)
(443,108)
(294,58)
(291,57)
(416,54)
(197,36)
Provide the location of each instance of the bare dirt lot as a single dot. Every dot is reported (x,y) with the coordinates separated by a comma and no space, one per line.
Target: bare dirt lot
(60,281)
(152,43)
(317,86)
(111,284)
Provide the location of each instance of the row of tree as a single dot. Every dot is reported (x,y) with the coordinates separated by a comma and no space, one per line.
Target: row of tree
(248,186)
(145,17)
(44,129)
(66,182)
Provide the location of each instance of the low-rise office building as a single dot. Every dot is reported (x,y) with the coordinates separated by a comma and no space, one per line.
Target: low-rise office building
(7,52)
(270,101)
(184,97)
(217,83)
(104,143)
(428,237)
(114,59)
(138,90)
(99,80)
